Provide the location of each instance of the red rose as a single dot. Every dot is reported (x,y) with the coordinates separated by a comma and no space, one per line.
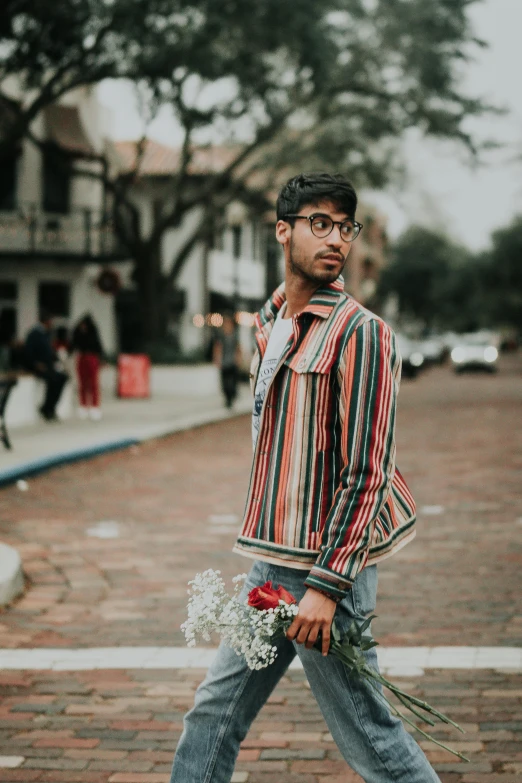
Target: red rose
(267,597)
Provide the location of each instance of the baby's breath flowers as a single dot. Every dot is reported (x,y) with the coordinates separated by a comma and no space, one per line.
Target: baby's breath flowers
(251,628)
(248,630)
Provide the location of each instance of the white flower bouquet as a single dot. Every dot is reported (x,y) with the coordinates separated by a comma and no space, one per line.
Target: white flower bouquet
(251,628)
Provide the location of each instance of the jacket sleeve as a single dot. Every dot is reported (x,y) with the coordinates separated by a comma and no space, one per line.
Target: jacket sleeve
(368,375)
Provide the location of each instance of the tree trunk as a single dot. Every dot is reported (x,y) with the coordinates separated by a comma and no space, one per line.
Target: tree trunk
(152,297)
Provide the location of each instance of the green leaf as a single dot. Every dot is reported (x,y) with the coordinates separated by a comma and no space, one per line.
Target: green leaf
(366,623)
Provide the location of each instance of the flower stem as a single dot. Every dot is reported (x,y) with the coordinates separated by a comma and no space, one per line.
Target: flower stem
(414,726)
(413,699)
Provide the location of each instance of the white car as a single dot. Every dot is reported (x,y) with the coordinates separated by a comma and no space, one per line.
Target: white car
(412,356)
(474,351)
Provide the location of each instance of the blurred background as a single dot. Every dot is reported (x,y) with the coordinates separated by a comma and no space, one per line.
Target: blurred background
(142,144)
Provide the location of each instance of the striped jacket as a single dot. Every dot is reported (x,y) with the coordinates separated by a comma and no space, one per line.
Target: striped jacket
(324,493)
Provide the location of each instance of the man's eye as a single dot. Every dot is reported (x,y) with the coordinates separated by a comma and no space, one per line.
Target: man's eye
(320,223)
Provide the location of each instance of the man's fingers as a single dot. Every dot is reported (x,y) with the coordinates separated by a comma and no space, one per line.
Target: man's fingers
(298,631)
(325,631)
(312,637)
(294,629)
(302,636)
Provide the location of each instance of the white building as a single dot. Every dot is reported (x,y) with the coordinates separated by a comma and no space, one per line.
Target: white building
(229,275)
(58,250)
(55,236)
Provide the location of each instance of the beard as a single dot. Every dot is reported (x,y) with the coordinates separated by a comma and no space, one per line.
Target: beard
(302,265)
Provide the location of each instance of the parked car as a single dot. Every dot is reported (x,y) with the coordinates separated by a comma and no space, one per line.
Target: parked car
(412,356)
(433,349)
(475,351)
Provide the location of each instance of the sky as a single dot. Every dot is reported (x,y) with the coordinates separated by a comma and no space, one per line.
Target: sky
(442,188)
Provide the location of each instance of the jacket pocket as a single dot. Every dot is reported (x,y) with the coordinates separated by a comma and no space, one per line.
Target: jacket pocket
(310,362)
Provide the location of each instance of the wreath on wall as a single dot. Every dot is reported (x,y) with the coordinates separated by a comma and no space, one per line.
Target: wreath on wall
(108,282)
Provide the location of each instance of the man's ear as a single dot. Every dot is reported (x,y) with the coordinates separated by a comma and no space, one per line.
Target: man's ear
(283,232)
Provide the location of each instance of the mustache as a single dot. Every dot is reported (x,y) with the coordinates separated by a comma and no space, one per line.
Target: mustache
(331,253)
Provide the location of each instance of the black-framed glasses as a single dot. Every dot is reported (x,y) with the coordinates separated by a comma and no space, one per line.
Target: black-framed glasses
(322,225)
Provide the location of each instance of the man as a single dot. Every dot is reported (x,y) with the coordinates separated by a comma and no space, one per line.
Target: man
(40,360)
(325,502)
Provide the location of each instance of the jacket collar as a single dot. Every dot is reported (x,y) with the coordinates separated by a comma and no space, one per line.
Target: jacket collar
(321,303)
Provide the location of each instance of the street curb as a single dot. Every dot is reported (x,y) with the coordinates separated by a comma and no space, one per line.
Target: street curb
(11,574)
(33,467)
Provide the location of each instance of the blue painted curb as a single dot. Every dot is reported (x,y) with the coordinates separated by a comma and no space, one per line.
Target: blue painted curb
(32,468)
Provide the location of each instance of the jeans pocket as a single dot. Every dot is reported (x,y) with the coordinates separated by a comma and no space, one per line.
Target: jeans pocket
(364,591)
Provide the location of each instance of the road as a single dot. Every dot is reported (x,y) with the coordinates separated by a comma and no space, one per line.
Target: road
(109,545)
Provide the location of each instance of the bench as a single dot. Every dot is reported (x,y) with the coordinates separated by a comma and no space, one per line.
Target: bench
(6,386)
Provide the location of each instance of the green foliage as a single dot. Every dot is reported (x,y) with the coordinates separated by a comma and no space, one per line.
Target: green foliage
(502,274)
(311,85)
(426,270)
(444,286)
(362,72)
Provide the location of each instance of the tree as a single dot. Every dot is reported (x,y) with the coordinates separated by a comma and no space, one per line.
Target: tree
(330,85)
(502,274)
(436,281)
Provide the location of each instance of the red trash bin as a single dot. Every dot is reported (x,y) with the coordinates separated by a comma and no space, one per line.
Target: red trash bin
(133,375)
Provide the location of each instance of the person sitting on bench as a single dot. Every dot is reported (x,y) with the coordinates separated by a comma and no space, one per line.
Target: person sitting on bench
(40,361)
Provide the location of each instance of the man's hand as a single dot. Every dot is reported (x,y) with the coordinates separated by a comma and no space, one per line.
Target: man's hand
(316,612)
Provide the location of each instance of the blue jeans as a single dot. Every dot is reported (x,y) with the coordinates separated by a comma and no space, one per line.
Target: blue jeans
(372,741)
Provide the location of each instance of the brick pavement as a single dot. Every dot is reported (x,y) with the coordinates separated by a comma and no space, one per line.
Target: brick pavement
(458,583)
(458,447)
(122,727)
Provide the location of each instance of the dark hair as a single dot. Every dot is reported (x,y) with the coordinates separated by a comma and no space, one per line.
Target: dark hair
(311,189)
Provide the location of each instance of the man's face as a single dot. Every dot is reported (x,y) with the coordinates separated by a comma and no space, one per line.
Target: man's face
(318,260)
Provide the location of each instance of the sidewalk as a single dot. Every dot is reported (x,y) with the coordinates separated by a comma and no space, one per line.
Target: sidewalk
(125,422)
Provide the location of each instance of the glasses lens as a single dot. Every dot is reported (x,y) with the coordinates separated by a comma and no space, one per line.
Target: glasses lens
(349,231)
(321,226)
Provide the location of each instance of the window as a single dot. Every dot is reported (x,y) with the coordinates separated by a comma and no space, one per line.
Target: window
(54,298)
(56,185)
(8,291)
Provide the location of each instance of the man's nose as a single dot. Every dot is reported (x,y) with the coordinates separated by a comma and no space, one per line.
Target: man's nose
(334,237)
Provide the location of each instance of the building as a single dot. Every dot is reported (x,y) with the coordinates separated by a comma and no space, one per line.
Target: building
(368,256)
(57,247)
(227,273)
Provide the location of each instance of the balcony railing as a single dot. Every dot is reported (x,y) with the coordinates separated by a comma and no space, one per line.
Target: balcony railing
(82,234)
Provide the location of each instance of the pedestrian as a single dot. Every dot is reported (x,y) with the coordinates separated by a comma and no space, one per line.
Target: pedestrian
(40,360)
(227,356)
(87,345)
(326,502)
